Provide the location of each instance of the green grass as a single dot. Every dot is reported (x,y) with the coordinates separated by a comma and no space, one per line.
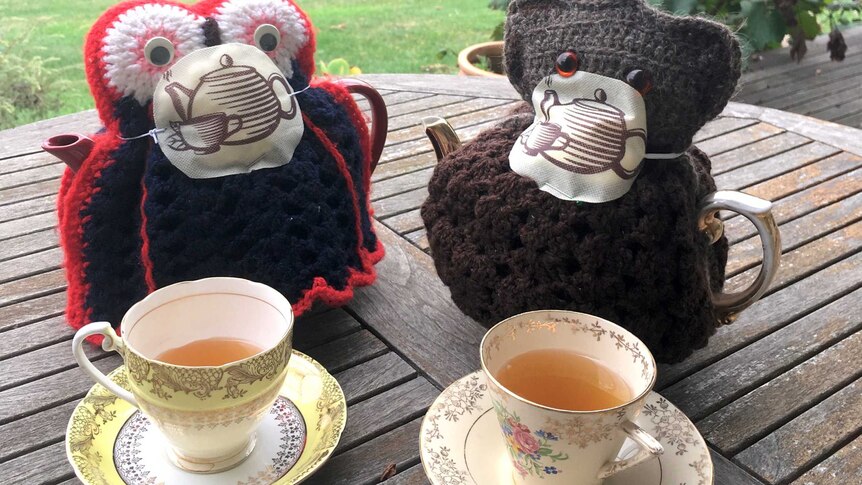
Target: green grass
(378,36)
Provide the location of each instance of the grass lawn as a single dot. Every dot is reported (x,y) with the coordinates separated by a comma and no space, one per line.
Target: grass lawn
(379,36)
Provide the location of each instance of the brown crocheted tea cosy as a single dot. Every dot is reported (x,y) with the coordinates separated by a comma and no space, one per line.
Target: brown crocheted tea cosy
(505,247)
(695,63)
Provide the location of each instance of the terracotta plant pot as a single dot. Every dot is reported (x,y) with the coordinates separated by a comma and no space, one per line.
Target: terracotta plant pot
(469,57)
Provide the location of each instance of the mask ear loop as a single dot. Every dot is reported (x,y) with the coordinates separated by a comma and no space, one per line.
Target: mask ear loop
(155,131)
(663,156)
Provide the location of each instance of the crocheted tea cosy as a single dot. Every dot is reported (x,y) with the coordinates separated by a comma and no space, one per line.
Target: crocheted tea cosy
(505,247)
(131,222)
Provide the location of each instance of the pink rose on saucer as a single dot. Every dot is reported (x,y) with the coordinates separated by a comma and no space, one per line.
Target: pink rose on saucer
(525,441)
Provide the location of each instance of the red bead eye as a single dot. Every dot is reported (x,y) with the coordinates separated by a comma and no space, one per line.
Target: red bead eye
(567,63)
(640,80)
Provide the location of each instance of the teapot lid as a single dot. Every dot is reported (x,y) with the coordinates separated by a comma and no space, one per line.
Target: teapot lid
(227,70)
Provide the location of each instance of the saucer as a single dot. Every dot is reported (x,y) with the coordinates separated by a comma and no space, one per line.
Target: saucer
(109,441)
(460,442)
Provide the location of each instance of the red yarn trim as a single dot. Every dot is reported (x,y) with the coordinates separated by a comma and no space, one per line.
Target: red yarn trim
(321,289)
(146,261)
(76,192)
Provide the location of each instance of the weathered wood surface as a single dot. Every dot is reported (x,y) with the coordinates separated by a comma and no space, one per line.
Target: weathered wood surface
(775,394)
(815,87)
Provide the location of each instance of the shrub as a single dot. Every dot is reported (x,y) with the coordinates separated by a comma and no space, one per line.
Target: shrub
(28,87)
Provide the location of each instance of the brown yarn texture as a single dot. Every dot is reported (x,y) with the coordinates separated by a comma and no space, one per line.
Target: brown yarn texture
(504,247)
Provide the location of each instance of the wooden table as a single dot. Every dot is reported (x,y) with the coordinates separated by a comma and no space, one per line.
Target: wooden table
(776,394)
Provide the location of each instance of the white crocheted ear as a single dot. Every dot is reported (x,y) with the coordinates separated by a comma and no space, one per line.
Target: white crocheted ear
(274,26)
(144,42)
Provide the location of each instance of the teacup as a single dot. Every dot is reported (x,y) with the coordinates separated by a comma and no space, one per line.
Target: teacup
(207,414)
(548,445)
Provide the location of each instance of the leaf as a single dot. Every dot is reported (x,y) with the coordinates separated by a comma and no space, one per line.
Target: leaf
(764,26)
(809,24)
(545,451)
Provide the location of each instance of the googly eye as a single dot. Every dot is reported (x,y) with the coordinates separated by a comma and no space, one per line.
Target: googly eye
(640,80)
(567,64)
(159,51)
(267,37)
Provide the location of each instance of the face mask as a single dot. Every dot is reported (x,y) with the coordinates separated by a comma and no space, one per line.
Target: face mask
(588,139)
(226,110)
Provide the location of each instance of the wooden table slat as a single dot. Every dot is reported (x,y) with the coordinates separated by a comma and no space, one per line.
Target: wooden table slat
(51,391)
(31,176)
(30,311)
(720,126)
(364,380)
(728,473)
(801,261)
(387,411)
(755,152)
(344,352)
(769,314)
(32,287)
(30,243)
(26,225)
(735,139)
(365,464)
(715,386)
(43,465)
(413,140)
(795,447)
(753,416)
(842,468)
(800,203)
(29,191)
(409,127)
(414,475)
(417,322)
(19,210)
(775,165)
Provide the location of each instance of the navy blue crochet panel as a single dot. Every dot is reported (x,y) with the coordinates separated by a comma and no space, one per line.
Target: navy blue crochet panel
(111,224)
(283,226)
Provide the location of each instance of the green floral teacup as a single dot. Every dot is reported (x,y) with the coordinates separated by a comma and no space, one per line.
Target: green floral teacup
(207,414)
(548,445)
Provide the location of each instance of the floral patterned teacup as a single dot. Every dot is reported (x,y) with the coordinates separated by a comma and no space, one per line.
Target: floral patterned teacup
(208,414)
(548,445)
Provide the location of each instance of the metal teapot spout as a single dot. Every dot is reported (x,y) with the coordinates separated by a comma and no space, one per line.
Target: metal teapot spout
(71,148)
(442,135)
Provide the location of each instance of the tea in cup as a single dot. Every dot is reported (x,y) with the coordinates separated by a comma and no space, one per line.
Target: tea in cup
(206,360)
(566,388)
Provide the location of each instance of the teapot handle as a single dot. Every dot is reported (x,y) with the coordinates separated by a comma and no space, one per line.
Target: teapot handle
(379,115)
(759,212)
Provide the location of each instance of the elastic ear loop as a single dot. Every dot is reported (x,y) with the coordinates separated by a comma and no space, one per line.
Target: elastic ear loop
(155,131)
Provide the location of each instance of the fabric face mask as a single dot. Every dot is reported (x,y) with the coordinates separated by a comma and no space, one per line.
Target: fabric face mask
(226,110)
(588,140)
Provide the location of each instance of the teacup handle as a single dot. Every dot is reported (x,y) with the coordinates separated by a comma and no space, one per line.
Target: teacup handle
(112,342)
(649,448)
(759,212)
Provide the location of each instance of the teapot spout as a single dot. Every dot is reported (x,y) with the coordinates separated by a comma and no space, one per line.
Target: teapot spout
(71,148)
(442,135)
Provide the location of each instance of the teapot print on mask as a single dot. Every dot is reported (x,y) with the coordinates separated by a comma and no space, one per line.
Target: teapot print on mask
(216,117)
(588,146)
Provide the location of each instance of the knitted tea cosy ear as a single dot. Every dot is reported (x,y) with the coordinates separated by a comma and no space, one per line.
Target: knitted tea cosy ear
(694,62)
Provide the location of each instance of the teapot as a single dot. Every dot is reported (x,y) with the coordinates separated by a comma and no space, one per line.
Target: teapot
(456,262)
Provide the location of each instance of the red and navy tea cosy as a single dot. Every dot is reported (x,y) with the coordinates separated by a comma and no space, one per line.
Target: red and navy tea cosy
(503,246)
(131,221)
